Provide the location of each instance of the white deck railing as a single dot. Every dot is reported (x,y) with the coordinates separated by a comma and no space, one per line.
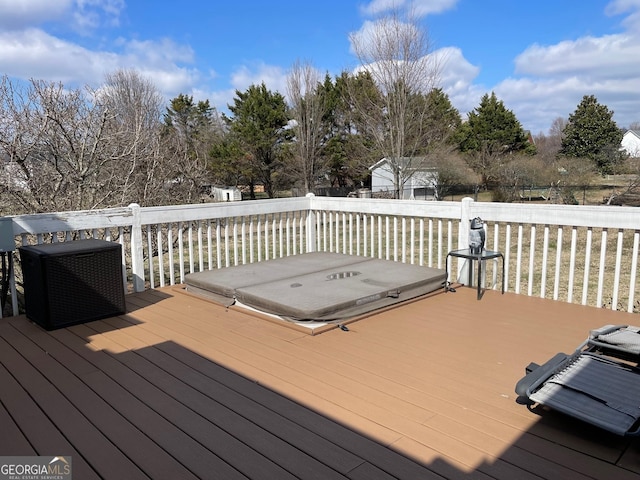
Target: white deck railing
(579,254)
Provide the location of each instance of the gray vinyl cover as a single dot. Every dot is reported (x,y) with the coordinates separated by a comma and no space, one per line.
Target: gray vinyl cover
(342,292)
(319,286)
(221,284)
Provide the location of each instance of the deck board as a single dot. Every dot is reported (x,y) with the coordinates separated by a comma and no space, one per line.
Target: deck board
(180,387)
(111,409)
(154,412)
(41,379)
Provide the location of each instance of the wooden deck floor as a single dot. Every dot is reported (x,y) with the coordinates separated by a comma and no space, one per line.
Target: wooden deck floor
(182,388)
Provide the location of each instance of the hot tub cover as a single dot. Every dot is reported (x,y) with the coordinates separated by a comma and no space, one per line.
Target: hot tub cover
(318,286)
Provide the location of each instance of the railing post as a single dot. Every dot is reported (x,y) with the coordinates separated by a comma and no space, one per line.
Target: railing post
(463,236)
(465,222)
(137,256)
(310,226)
(7,241)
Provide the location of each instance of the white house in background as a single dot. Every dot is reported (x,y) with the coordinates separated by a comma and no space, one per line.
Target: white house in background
(222,194)
(419,178)
(631,143)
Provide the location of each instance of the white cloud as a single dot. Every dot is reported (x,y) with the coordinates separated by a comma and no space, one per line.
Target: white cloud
(380,6)
(554,78)
(171,80)
(593,57)
(274,77)
(537,102)
(420,8)
(82,15)
(90,14)
(218,98)
(632,21)
(110,7)
(428,7)
(19,14)
(161,52)
(550,80)
(365,33)
(33,53)
(456,78)
(29,52)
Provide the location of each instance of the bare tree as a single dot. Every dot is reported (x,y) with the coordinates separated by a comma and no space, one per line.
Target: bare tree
(520,176)
(53,142)
(548,146)
(397,54)
(450,171)
(75,149)
(132,106)
(572,174)
(308,110)
(487,162)
(190,132)
(21,127)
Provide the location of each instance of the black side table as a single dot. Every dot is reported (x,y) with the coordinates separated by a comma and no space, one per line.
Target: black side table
(480,258)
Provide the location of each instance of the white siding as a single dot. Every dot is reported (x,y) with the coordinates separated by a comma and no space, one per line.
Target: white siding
(414,187)
(631,143)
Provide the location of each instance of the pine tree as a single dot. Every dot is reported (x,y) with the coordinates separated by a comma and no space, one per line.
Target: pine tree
(592,134)
(258,124)
(492,132)
(493,128)
(443,119)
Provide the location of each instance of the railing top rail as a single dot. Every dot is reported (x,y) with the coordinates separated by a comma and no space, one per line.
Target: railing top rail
(567,215)
(204,211)
(595,216)
(411,208)
(68,221)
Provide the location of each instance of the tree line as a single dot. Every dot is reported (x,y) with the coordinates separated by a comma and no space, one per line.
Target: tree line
(74,149)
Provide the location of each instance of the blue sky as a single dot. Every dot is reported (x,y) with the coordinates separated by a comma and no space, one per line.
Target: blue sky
(540,58)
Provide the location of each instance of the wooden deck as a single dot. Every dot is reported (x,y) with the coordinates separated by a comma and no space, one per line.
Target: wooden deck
(182,388)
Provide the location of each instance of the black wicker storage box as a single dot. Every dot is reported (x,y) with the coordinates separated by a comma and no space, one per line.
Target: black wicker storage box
(72,282)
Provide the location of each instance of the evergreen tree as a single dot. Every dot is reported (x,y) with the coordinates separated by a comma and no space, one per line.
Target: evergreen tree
(187,118)
(591,133)
(347,152)
(190,128)
(493,128)
(230,164)
(258,124)
(491,132)
(443,120)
